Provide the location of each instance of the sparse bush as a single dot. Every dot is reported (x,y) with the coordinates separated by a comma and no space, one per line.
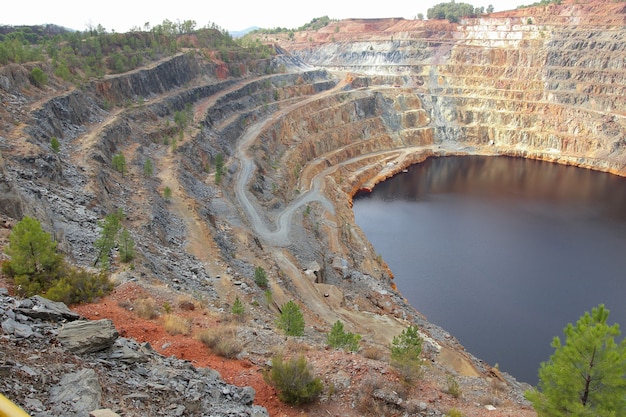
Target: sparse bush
(55,145)
(373,353)
(453,386)
(454,412)
(126,246)
(110,226)
(405,353)
(38,77)
(260,277)
(174,324)
(219,168)
(294,380)
(222,341)
(291,320)
(148,168)
(167,194)
(79,286)
(238,308)
(119,163)
(338,338)
(145,308)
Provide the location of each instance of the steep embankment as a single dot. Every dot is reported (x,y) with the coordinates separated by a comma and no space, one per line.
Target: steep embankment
(544,82)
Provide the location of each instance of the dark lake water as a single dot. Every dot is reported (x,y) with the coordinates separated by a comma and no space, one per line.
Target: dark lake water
(502,252)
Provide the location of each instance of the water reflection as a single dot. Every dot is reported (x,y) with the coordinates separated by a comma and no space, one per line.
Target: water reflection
(502,252)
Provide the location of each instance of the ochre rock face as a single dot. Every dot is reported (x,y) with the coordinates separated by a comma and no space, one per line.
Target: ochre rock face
(547,82)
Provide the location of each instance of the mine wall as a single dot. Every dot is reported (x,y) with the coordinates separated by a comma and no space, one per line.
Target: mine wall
(536,86)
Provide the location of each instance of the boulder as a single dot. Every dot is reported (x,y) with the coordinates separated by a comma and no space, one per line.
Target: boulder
(38,307)
(88,336)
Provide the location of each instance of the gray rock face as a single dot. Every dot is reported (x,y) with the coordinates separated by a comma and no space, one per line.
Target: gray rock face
(81,391)
(88,336)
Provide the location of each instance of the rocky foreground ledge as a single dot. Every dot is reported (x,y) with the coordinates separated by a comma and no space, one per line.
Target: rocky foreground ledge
(54,363)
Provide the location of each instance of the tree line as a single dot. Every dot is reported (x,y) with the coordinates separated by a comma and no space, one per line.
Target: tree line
(79,55)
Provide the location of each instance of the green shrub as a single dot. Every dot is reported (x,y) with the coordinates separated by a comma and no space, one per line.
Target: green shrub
(260,277)
(148,168)
(119,162)
(453,386)
(126,246)
(167,194)
(79,286)
(291,320)
(338,338)
(109,228)
(238,308)
(38,78)
(55,145)
(293,380)
(405,353)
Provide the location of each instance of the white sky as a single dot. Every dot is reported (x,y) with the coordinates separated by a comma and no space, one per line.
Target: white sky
(121,15)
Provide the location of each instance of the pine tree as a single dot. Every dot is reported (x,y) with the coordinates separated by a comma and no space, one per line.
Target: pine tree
(291,320)
(33,253)
(585,376)
(339,338)
(109,228)
(127,246)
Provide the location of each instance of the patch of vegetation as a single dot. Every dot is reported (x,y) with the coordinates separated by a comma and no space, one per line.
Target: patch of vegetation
(238,308)
(260,277)
(145,308)
(118,162)
(55,145)
(294,380)
(77,56)
(340,339)
(148,168)
(454,388)
(540,3)
(36,268)
(167,194)
(405,353)
(222,341)
(38,78)
(174,324)
(291,320)
(455,412)
(454,11)
(585,375)
(126,246)
(219,168)
(109,228)
(315,24)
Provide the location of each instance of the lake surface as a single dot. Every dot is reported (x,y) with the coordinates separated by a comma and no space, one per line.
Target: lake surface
(502,252)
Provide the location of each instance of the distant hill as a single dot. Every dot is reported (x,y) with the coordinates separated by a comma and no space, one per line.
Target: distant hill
(240,33)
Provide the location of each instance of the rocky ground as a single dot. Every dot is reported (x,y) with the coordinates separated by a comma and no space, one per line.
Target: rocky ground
(134,367)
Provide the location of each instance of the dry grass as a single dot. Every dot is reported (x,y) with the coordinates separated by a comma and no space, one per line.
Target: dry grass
(145,308)
(369,405)
(374,353)
(174,324)
(222,341)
